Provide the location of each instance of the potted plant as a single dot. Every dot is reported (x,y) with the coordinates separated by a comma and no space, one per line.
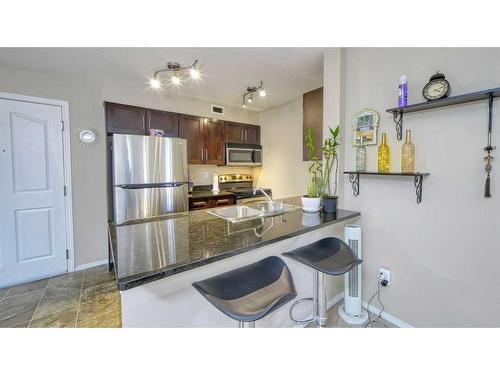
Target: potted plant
(312,201)
(322,163)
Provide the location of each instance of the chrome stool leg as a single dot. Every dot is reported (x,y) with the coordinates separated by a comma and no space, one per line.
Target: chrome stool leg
(246,324)
(320,296)
(319,302)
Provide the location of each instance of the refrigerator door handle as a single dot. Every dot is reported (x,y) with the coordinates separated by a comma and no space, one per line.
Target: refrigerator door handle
(149,186)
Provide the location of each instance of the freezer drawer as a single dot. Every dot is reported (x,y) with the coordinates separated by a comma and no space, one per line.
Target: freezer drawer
(147,160)
(132,203)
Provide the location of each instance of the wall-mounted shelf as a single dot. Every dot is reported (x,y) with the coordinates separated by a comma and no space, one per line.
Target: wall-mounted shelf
(418,180)
(453,100)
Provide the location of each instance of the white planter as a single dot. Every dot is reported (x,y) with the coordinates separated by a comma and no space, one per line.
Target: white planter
(311,204)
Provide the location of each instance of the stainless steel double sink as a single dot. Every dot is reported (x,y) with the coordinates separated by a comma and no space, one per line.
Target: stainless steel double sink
(237,214)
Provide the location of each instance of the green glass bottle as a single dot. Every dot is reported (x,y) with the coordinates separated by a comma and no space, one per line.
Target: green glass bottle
(384,157)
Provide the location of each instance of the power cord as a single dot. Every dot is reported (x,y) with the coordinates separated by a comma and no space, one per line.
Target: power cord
(377,320)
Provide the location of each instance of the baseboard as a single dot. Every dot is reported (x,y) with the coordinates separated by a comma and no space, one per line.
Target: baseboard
(390,318)
(85,266)
(336,299)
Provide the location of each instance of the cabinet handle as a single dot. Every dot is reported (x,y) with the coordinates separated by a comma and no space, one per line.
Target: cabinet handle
(246,135)
(201,154)
(242,134)
(206,154)
(222,201)
(198,204)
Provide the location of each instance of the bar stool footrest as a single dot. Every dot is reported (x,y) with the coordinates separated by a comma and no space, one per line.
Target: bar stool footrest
(305,321)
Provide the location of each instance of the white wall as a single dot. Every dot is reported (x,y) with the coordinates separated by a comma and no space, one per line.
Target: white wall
(443,253)
(89,163)
(281,136)
(334,109)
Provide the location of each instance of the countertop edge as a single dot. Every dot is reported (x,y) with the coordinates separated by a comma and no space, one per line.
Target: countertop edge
(144,278)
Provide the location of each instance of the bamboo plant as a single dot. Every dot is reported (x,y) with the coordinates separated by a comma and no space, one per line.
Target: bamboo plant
(322,161)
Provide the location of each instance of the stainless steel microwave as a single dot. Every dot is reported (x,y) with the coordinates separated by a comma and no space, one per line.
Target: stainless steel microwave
(238,154)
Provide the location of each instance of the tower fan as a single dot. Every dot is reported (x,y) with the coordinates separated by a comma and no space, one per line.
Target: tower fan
(351,310)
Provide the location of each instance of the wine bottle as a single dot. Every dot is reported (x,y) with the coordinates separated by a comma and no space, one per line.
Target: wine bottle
(384,161)
(408,155)
(361,156)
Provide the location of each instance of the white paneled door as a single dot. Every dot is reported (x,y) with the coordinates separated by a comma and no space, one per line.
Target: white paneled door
(32,209)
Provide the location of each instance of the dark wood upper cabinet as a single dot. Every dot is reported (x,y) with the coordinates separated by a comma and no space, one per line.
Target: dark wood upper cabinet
(313,118)
(166,121)
(234,132)
(191,129)
(125,119)
(242,133)
(205,137)
(214,141)
(252,134)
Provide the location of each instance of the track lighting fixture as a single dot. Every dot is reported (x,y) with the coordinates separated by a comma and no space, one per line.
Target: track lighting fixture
(251,90)
(177,76)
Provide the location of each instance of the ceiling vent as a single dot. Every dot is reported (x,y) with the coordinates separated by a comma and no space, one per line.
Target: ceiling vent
(218,110)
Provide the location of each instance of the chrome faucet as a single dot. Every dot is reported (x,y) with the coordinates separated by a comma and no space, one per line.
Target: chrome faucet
(255,189)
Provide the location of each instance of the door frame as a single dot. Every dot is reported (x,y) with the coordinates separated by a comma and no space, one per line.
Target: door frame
(66,136)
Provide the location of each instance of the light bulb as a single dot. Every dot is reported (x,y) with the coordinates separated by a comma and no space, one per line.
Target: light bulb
(244,105)
(176,81)
(195,73)
(155,83)
(262,93)
(250,99)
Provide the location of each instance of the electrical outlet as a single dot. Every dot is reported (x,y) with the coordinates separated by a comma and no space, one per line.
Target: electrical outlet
(205,175)
(384,274)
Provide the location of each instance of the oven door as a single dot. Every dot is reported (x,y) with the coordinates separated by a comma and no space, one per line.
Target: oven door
(243,155)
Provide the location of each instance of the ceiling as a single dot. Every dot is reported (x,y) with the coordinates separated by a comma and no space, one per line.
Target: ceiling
(287,72)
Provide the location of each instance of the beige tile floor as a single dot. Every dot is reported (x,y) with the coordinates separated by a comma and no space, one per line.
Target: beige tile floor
(80,299)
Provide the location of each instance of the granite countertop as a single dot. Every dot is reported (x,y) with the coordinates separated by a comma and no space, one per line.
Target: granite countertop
(209,194)
(149,250)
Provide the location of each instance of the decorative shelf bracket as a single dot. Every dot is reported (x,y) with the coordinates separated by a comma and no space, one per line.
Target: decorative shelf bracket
(418,187)
(354,180)
(398,120)
(418,180)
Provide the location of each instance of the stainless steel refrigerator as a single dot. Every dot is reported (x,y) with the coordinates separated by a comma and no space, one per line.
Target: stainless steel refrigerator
(150,176)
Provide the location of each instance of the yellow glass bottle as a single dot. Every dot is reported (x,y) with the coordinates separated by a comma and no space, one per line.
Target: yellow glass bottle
(384,158)
(408,155)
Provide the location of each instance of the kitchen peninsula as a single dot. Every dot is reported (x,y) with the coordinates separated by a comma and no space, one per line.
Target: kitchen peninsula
(156,261)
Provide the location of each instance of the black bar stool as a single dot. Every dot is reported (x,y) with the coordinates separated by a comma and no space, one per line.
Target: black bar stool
(249,293)
(328,256)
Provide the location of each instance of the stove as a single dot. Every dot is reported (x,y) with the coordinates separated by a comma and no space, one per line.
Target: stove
(242,186)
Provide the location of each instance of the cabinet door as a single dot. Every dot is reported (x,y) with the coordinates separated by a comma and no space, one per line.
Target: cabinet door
(213,141)
(125,119)
(191,128)
(234,132)
(252,134)
(166,121)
